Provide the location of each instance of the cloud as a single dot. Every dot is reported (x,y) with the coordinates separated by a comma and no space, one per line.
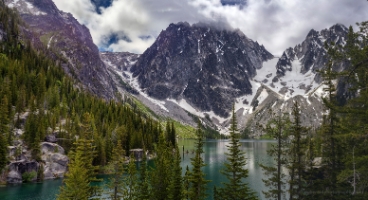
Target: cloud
(278,24)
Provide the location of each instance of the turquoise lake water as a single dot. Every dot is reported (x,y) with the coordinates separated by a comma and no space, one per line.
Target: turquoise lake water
(214,156)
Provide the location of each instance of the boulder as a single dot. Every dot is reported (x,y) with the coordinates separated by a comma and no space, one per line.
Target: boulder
(56,163)
(11,150)
(17,169)
(51,138)
(14,177)
(48,147)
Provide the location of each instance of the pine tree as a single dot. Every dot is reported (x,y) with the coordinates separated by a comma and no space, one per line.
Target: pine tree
(355,118)
(197,178)
(186,184)
(116,182)
(278,128)
(87,153)
(143,185)
(160,174)
(332,148)
(296,150)
(4,131)
(77,181)
(3,152)
(235,172)
(131,181)
(176,182)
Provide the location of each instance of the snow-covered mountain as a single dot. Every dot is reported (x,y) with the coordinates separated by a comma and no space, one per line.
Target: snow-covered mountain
(200,65)
(203,70)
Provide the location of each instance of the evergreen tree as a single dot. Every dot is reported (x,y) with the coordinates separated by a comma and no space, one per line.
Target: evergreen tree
(143,186)
(355,118)
(87,153)
(131,181)
(160,174)
(186,184)
(116,182)
(332,147)
(197,178)
(3,152)
(235,172)
(77,181)
(278,128)
(176,182)
(296,161)
(4,131)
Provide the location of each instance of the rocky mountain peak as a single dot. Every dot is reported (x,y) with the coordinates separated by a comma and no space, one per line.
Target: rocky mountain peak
(67,40)
(311,53)
(204,65)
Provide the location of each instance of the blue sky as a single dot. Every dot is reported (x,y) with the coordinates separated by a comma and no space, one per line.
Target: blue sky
(133,25)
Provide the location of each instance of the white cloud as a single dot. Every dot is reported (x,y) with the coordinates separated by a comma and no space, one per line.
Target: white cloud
(277,24)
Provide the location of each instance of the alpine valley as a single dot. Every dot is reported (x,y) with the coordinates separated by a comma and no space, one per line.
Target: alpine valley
(191,70)
(203,98)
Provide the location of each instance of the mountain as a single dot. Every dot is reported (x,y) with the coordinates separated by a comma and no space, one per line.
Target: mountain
(203,70)
(295,77)
(67,40)
(204,66)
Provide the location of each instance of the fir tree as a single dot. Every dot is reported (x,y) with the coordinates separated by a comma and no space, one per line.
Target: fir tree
(186,183)
(235,172)
(176,182)
(131,181)
(278,128)
(116,182)
(77,181)
(143,185)
(160,174)
(197,178)
(296,150)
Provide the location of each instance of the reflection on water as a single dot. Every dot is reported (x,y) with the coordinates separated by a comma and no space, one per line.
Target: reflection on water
(214,156)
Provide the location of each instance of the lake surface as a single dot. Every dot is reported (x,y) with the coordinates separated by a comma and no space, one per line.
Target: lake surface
(214,156)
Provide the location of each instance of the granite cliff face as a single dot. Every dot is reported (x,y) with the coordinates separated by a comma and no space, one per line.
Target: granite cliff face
(311,53)
(206,66)
(67,40)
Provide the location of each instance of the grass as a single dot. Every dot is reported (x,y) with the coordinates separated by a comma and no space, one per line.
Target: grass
(266,137)
(184,131)
(45,38)
(144,109)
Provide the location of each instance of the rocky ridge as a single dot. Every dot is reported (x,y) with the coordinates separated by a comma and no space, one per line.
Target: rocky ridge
(202,65)
(176,70)
(66,40)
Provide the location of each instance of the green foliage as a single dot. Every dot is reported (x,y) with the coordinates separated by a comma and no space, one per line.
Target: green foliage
(296,150)
(235,171)
(176,182)
(40,175)
(196,177)
(278,127)
(81,157)
(77,180)
(131,181)
(161,173)
(29,176)
(144,189)
(116,181)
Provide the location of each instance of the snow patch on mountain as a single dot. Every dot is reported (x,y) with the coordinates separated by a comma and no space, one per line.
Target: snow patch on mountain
(25,7)
(133,82)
